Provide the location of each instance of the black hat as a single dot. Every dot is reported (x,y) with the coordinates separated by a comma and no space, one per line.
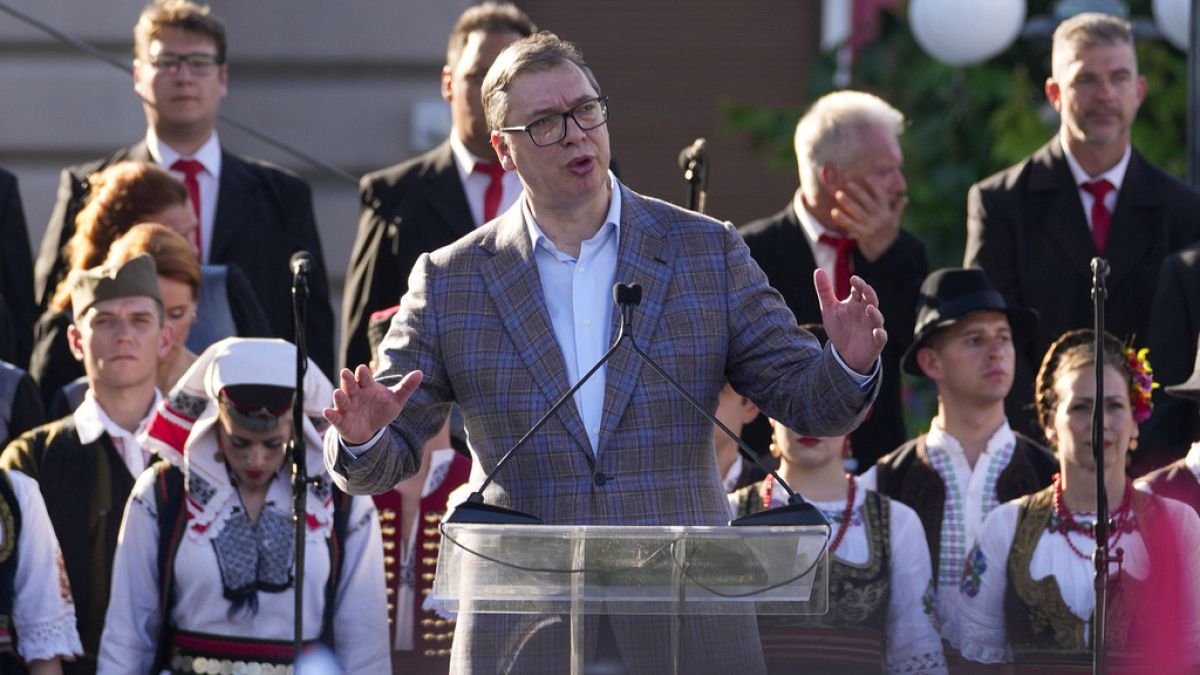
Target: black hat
(949,295)
(1191,387)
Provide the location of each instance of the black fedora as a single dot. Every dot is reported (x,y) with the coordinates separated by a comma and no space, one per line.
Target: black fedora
(1190,388)
(949,295)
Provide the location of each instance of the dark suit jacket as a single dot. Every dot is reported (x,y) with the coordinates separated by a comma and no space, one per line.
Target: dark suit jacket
(1026,228)
(1174,329)
(779,246)
(264,214)
(16,274)
(408,209)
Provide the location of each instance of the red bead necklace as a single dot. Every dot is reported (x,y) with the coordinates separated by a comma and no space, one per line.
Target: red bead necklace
(843,527)
(1064,521)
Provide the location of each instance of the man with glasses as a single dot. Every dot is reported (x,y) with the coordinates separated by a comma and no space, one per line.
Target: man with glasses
(504,321)
(252,214)
(431,200)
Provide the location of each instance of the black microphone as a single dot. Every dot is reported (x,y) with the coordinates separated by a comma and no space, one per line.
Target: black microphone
(1100,266)
(301,263)
(696,152)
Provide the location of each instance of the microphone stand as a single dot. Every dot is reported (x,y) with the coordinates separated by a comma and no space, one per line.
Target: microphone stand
(694,162)
(1100,556)
(474,510)
(299,456)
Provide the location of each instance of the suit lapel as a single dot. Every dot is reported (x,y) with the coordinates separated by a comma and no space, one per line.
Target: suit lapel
(1134,223)
(512,281)
(445,194)
(1060,207)
(643,258)
(235,193)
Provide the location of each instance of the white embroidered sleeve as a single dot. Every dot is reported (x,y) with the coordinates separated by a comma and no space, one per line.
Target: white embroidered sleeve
(43,612)
(912,636)
(982,630)
(133,624)
(360,621)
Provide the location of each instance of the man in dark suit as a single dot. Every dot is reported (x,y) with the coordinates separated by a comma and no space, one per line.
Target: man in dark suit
(845,219)
(1035,226)
(17,308)
(430,201)
(505,320)
(252,214)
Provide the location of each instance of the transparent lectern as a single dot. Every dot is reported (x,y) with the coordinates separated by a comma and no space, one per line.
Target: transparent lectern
(621,570)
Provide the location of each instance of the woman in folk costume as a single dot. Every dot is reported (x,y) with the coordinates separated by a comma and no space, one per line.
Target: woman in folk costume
(203,575)
(880,616)
(1027,586)
(37,614)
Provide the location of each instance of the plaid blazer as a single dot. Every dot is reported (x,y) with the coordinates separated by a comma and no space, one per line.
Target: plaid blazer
(475,322)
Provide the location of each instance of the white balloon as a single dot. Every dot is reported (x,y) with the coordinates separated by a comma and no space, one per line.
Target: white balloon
(964,32)
(1173,20)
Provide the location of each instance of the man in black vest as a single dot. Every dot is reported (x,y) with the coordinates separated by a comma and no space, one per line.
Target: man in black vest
(970,460)
(1180,480)
(86,463)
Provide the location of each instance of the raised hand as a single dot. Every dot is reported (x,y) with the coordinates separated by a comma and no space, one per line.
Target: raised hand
(362,406)
(854,325)
(869,215)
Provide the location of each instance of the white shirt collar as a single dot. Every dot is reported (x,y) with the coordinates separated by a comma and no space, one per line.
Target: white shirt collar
(464,158)
(1192,460)
(208,154)
(938,438)
(536,236)
(813,229)
(91,421)
(1114,175)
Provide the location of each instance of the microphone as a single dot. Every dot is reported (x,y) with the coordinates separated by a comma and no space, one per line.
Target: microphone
(696,152)
(1100,266)
(300,263)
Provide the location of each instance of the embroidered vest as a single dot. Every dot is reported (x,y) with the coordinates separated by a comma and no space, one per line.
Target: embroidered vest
(1041,628)
(907,476)
(1175,481)
(10,532)
(850,637)
(432,634)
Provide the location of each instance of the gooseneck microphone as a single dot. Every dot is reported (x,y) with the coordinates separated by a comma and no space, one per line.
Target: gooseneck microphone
(628,297)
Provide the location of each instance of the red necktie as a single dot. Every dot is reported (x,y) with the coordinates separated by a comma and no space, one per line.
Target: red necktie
(844,247)
(191,168)
(1101,218)
(495,189)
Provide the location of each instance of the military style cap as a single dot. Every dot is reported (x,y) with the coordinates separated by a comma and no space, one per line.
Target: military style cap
(138,276)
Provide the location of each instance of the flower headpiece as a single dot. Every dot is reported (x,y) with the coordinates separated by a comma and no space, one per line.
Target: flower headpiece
(1141,384)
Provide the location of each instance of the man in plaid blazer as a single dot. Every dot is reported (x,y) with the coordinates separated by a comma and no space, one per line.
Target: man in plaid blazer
(505,320)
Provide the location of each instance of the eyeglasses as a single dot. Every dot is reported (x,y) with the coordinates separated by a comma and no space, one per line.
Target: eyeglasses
(553,128)
(201,64)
